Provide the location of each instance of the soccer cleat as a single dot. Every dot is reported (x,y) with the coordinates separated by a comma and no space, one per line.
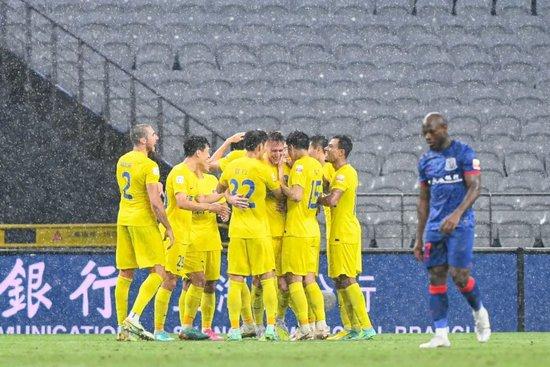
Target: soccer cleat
(260,330)
(365,334)
(234,335)
(163,336)
(342,335)
(125,336)
(270,334)
(192,334)
(212,335)
(440,339)
(483,326)
(302,333)
(134,327)
(248,330)
(322,333)
(282,332)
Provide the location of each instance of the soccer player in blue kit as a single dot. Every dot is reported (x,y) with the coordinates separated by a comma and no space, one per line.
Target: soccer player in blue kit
(450,183)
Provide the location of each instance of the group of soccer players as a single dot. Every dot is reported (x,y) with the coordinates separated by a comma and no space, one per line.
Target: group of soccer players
(271,191)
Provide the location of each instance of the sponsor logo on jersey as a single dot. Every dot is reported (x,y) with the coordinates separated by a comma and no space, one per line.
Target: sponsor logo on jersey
(447,179)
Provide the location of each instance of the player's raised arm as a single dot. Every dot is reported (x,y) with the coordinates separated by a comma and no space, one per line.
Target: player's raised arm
(218,154)
(422,210)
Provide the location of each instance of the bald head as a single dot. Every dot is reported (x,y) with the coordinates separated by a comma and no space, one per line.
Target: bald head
(434,130)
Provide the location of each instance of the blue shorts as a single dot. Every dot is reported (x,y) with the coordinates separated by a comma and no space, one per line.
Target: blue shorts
(455,249)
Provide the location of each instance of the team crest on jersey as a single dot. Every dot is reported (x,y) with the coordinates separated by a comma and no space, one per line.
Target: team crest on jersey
(299,168)
(179,179)
(156,171)
(450,164)
(340,178)
(476,165)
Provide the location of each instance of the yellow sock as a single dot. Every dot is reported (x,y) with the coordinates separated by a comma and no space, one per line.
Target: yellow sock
(299,302)
(357,301)
(257,304)
(282,303)
(162,300)
(181,304)
(346,323)
(146,292)
(269,293)
(234,303)
(207,309)
(310,313)
(193,298)
(246,302)
(122,289)
(316,301)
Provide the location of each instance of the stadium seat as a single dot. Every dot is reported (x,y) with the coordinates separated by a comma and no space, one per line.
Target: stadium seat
(431,8)
(394,7)
(399,162)
(512,8)
(506,125)
(473,8)
(365,162)
(518,163)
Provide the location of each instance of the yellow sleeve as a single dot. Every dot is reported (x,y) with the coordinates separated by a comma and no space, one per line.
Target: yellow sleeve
(297,176)
(340,182)
(223,178)
(152,173)
(179,184)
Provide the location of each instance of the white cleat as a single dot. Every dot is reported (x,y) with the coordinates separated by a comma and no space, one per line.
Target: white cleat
(248,330)
(303,333)
(483,326)
(440,339)
(322,332)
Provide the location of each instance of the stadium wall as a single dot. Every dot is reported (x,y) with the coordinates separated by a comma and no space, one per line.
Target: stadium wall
(73,292)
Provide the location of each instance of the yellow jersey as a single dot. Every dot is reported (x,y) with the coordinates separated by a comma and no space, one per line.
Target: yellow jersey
(205,235)
(276,218)
(134,170)
(345,227)
(230,157)
(301,216)
(328,175)
(251,178)
(180,180)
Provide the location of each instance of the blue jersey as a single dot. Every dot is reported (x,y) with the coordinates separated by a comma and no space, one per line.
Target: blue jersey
(443,171)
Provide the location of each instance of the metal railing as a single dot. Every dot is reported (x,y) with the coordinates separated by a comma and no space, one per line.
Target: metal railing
(381,214)
(92,79)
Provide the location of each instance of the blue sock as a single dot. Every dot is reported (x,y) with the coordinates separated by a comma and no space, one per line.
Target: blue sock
(439,305)
(472,294)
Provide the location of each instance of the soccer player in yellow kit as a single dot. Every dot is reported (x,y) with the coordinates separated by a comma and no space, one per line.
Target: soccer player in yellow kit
(139,242)
(300,253)
(345,237)
(250,251)
(181,192)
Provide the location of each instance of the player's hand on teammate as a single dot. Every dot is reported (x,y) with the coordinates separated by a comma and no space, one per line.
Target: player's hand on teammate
(281,206)
(222,210)
(449,223)
(418,251)
(238,201)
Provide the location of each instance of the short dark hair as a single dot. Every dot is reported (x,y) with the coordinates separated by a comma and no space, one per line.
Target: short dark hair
(344,142)
(275,136)
(253,138)
(138,132)
(318,141)
(238,145)
(298,140)
(193,144)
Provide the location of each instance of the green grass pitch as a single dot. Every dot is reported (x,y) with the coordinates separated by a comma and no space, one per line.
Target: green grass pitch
(504,349)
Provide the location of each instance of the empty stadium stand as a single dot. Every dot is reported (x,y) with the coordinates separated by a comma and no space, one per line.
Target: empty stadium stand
(371,69)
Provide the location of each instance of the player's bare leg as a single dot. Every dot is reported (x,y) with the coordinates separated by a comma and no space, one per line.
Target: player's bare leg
(467,285)
(208,304)
(193,298)
(439,305)
(317,303)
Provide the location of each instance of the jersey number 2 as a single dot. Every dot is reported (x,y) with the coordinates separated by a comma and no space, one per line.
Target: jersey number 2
(251,187)
(126,175)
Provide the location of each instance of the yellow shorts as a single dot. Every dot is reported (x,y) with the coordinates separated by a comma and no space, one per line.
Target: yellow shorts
(277,243)
(250,256)
(175,258)
(208,262)
(344,259)
(138,247)
(298,255)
